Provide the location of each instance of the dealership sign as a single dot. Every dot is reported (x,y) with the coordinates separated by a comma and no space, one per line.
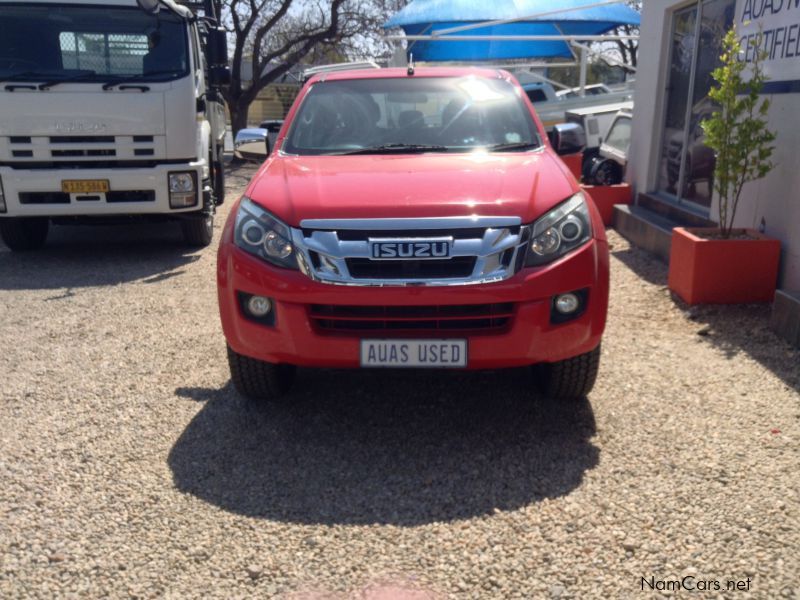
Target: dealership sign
(777,22)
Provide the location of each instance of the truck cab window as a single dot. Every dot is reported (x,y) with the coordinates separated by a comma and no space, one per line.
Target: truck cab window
(103,43)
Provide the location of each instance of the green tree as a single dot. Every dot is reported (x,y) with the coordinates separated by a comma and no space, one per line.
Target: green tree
(738,132)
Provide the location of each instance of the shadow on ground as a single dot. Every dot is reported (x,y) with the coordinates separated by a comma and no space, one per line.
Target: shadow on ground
(745,328)
(731,328)
(84,256)
(404,448)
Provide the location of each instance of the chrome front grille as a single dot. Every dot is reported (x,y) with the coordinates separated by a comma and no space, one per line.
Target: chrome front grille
(482,250)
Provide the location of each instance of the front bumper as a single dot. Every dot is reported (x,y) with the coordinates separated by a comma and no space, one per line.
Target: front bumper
(529,338)
(147,179)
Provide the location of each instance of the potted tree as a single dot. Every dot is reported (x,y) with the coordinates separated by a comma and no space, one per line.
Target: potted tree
(725,265)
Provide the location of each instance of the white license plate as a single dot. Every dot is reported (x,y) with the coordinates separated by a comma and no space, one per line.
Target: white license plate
(440,354)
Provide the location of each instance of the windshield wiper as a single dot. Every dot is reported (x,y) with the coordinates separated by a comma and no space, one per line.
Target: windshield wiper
(513,146)
(397,149)
(138,77)
(76,77)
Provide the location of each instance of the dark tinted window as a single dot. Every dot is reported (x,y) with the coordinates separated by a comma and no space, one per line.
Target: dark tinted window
(536,95)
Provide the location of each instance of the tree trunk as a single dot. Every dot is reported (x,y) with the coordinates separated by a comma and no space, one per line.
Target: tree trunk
(238,112)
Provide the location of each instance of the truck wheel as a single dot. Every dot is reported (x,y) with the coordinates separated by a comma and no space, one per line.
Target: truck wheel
(259,380)
(24,233)
(198,232)
(606,172)
(569,379)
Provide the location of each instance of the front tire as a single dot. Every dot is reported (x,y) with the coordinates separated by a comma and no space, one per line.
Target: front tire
(198,233)
(569,379)
(21,234)
(258,380)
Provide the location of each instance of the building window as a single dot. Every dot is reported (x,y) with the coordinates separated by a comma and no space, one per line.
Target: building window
(686,166)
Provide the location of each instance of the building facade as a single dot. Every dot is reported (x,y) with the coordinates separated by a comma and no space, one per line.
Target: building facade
(680,46)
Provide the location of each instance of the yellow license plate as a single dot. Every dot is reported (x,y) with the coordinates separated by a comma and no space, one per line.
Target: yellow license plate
(84,186)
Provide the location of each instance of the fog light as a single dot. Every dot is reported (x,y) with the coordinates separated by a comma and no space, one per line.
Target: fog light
(567,303)
(258,306)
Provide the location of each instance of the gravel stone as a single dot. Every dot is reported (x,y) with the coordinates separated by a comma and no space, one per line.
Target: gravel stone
(131,468)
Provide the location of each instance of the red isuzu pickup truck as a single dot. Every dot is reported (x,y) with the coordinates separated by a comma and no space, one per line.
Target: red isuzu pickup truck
(413,218)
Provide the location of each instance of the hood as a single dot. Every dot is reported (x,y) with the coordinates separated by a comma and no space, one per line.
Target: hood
(524,185)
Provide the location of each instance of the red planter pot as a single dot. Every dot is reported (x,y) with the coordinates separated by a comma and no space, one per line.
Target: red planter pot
(574,162)
(704,271)
(606,196)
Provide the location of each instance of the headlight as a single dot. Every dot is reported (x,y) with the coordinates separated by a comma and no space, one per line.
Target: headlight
(182,189)
(564,228)
(263,235)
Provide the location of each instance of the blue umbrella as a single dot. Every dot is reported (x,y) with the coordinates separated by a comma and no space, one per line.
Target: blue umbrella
(426,17)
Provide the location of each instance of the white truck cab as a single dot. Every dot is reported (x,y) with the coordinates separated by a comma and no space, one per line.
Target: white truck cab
(109,110)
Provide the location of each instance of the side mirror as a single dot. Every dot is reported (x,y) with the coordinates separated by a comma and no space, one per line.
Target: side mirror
(149,6)
(216,45)
(251,145)
(568,138)
(219,75)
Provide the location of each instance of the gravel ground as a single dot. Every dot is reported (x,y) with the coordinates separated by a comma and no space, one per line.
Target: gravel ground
(130,468)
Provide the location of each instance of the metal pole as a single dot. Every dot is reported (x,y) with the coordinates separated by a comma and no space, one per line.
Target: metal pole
(525,18)
(583,72)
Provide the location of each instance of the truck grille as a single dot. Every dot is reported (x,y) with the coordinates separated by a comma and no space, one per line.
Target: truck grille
(83,150)
(481,250)
(462,318)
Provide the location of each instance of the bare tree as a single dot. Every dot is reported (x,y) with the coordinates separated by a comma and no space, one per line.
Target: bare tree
(627,51)
(276,35)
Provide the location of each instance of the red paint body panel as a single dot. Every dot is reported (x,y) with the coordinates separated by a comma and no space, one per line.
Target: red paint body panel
(532,338)
(521,184)
(294,188)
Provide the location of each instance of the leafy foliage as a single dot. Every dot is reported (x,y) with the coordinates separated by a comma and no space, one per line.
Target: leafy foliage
(737,132)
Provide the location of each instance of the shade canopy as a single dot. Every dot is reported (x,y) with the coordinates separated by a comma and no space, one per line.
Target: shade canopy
(425,17)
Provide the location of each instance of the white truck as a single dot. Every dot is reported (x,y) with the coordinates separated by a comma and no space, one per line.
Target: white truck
(110,112)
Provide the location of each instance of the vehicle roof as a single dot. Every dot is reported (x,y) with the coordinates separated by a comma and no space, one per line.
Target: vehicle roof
(102,3)
(402,73)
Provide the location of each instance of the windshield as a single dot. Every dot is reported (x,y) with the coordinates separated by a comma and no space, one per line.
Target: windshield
(619,136)
(90,44)
(433,113)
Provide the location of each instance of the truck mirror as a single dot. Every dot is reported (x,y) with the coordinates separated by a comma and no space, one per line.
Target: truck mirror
(217,44)
(251,145)
(568,138)
(149,6)
(219,75)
